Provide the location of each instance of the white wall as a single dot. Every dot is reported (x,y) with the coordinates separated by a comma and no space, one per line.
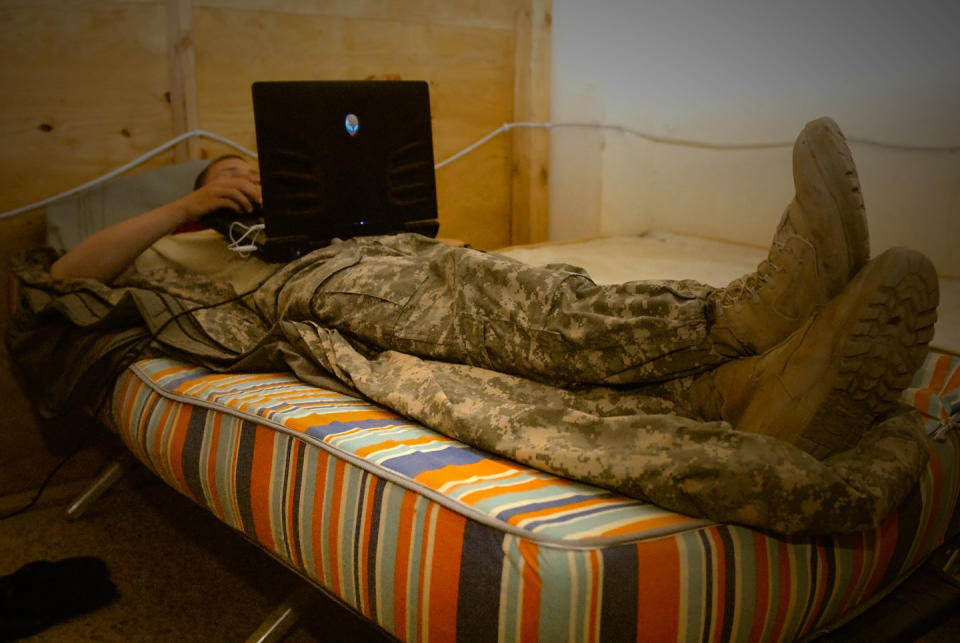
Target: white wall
(755,71)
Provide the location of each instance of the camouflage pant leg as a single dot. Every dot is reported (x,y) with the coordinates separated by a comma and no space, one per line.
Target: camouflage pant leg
(548,324)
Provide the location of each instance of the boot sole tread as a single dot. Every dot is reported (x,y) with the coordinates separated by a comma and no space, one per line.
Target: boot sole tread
(846,194)
(878,360)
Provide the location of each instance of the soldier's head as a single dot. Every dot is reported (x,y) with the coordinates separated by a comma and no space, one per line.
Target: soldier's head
(228,164)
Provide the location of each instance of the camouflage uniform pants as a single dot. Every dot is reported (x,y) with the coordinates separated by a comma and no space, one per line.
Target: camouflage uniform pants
(551,324)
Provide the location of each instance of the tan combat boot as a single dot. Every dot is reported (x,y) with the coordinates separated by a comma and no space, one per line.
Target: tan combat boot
(828,382)
(820,243)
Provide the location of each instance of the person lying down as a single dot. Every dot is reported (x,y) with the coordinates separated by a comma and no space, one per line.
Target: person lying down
(781,388)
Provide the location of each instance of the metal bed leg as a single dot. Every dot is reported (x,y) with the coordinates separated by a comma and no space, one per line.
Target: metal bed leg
(97,488)
(283,618)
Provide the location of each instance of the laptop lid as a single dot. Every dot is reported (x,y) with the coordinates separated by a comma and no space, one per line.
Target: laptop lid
(343,158)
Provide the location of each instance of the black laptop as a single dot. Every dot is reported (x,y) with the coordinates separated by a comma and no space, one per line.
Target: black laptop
(341,159)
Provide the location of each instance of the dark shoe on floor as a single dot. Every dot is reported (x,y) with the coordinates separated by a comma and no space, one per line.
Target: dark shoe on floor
(43,593)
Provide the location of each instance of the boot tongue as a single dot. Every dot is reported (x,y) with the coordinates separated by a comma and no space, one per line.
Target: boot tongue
(749,285)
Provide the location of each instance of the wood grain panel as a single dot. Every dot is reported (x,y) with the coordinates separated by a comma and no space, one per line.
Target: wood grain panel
(531,147)
(183,80)
(84,89)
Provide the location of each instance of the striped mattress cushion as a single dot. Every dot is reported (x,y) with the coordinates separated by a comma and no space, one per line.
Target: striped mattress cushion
(436,540)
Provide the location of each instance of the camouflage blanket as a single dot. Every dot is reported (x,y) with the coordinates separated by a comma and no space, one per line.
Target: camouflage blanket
(626,428)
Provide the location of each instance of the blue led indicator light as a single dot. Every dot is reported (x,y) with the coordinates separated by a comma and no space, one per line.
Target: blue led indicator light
(352,124)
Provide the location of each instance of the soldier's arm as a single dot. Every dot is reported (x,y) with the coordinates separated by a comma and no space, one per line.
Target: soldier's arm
(106,254)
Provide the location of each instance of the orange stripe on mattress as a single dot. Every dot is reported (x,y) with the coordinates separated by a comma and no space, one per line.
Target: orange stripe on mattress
(197,385)
(658,590)
(129,398)
(402,566)
(263,447)
(290,501)
(422,611)
(941,369)
(784,591)
(234,496)
(445,575)
(333,529)
(530,594)
(593,624)
(647,523)
(295,396)
(762,594)
(200,386)
(175,452)
(888,532)
(921,400)
(303,393)
(161,434)
(363,591)
(479,495)
(211,468)
(452,476)
(320,555)
(167,372)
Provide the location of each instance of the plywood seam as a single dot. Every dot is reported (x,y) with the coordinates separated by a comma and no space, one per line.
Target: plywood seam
(183,81)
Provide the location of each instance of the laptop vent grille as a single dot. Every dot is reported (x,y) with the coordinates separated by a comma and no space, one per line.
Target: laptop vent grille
(410,175)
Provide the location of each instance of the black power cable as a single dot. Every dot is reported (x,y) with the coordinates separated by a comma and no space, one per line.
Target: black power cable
(125,360)
(43,485)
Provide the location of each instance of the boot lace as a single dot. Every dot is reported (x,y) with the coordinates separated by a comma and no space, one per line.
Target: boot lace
(750,286)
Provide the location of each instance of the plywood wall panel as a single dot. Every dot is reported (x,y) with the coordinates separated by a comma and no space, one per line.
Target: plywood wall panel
(83,85)
(469,209)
